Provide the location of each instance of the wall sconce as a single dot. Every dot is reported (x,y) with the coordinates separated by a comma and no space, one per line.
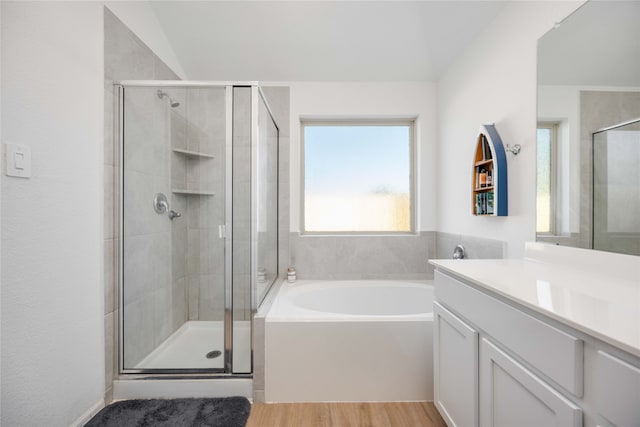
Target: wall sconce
(514,150)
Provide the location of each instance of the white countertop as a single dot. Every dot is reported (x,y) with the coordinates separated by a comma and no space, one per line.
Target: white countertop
(594,292)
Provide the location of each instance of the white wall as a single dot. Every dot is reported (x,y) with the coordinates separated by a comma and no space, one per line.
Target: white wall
(370,100)
(142,20)
(52,296)
(52,300)
(494,81)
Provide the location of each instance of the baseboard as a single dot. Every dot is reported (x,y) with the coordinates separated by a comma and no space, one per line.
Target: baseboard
(84,418)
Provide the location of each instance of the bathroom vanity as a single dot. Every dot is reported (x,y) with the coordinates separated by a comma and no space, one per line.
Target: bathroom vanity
(550,339)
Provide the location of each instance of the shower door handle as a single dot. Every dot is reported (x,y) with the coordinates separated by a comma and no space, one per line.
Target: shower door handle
(222,231)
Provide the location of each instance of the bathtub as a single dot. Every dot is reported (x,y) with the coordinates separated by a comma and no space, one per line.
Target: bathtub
(350,341)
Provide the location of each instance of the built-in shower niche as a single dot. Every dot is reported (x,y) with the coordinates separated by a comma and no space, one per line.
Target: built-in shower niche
(186,297)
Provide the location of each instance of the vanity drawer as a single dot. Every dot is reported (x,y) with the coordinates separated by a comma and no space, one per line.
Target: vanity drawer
(553,352)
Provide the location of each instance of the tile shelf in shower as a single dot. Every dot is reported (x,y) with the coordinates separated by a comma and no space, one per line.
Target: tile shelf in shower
(193,153)
(193,192)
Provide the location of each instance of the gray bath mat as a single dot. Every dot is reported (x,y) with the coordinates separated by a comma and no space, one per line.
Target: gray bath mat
(223,412)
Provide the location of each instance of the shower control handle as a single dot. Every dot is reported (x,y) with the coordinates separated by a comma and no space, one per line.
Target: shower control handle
(160,203)
(161,206)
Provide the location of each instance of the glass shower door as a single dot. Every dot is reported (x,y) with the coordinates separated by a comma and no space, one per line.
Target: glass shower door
(616,189)
(173,217)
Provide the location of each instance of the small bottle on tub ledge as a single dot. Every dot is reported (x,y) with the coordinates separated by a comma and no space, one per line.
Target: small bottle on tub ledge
(291,275)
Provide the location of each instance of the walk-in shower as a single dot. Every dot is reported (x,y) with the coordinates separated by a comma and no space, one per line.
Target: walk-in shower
(198,224)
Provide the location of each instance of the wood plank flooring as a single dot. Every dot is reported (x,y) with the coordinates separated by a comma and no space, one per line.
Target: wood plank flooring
(390,414)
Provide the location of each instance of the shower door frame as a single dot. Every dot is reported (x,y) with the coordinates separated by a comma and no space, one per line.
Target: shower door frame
(256,93)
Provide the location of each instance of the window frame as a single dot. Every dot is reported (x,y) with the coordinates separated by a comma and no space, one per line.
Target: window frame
(554,128)
(369,121)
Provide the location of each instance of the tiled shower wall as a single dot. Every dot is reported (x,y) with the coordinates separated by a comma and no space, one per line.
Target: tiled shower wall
(201,128)
(153,303)
(125,57)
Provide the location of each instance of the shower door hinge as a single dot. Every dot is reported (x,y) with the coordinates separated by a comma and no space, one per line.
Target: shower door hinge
(222,231)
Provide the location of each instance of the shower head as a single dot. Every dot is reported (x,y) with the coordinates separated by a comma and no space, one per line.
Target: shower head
(161,94)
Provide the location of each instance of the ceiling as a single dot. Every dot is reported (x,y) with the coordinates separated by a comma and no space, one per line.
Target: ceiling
(321,40)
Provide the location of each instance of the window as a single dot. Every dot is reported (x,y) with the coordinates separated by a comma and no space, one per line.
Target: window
(358,176)
(546,181)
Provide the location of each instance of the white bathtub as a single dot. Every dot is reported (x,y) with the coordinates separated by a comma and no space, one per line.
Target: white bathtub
(358,341)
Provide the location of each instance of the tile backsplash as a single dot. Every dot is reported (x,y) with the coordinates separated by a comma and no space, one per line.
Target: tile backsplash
(474,247)
(402,257)
(382,257)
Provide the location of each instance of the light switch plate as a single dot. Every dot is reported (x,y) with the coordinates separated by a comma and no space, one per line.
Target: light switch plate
(18,159)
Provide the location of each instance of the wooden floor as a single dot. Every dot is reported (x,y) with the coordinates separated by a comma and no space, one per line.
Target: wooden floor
(392,414)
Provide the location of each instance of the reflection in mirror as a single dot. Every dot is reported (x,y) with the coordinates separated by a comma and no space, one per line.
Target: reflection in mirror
(546,191)
(588,80)
(616,189)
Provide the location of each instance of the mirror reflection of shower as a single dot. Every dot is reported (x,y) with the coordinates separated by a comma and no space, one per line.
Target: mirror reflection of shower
(616,188)
(161,94)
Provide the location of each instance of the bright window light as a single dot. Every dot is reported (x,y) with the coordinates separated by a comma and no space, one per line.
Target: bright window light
(546,186)
(358,177)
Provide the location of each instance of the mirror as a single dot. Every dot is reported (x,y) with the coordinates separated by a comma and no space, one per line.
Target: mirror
(589,81)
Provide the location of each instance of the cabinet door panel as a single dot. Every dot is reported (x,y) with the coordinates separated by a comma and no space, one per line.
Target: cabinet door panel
(511,396)
(455,369)
(617,390)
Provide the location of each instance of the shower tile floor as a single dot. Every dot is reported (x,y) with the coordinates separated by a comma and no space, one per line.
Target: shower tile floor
(187,348)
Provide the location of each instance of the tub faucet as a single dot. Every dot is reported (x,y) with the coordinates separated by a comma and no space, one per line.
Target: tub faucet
(458,252)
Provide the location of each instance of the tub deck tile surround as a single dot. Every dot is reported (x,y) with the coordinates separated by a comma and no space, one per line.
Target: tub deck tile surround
(383,414)
(474,247)
(355,257)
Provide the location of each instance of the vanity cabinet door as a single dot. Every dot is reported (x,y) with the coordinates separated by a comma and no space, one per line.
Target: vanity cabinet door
(455,369)
(511,396)
(617,391)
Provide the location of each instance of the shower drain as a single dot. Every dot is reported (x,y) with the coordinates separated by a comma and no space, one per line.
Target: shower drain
(213,354)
